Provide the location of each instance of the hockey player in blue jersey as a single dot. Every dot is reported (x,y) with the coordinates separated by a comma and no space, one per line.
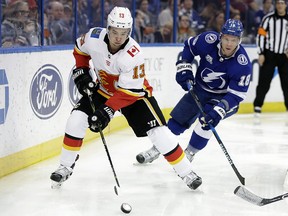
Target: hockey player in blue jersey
(221,82)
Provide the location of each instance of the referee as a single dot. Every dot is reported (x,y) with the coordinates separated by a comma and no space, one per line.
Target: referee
(272,42)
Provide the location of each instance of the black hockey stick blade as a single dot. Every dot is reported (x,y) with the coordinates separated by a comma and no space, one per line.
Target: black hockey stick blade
(247,195)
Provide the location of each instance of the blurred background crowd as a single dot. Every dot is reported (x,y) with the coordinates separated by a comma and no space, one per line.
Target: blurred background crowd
(49,22)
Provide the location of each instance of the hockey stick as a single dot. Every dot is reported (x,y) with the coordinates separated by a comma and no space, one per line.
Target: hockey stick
(104,143)
(197,101)
(247,195)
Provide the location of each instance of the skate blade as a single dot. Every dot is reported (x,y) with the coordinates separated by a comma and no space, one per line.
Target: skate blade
(56,185)
(139,164)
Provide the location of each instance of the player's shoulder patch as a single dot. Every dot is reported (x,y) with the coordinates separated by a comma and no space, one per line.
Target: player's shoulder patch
(96,32)
(133,50)
(242,59)
(210,38)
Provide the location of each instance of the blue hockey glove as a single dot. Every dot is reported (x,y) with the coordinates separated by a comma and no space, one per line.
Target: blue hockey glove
(83,80)
(100,118)
(213,115)
(184,73)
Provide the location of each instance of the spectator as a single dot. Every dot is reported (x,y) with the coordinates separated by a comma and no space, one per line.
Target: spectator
(267,7)
(232,10)
(94,13)
(208,13)
(216,22)
(32,32)
(236,15)
(200,5)
(33,27)
(48,40)
(247,9)
(33,8)
(187,8)
(242,7)
(166,15)
(139,26)
(272,42)
(154,6)
(164,34)
(82,19)
(252,9)
(61,26)
(107,8)
(151,18)
(16,27)
(184,29)
(149,22)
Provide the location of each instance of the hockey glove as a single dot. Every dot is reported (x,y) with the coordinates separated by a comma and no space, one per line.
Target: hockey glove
(213,116)
(100,118)
(184,73)
(83,80)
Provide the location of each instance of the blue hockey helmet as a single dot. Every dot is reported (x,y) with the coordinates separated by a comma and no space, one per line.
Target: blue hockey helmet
(233,27)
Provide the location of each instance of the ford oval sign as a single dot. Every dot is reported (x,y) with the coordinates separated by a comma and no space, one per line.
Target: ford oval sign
(46,91)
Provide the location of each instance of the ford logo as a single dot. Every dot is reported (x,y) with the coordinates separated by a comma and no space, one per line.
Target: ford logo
(46,91)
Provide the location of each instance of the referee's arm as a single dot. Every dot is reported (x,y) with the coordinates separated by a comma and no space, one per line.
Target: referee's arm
(261,40)
(261,35)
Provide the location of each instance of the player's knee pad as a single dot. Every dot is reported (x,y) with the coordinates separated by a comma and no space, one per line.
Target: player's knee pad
(163,139)
(77,124)
(200,137)
(175,127)
(206,134)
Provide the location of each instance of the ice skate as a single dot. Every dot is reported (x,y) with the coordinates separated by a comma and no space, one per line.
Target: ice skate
(61,174)
(192,180)
(257,111)
(189,154)
(148,156)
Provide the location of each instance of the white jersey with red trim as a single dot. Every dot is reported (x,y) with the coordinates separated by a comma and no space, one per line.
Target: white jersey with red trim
(123,71)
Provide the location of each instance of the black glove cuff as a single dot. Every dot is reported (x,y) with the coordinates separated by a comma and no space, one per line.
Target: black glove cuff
(80,72)
(108,110)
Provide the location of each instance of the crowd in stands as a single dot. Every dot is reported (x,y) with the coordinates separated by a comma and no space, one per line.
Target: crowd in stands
(153,23)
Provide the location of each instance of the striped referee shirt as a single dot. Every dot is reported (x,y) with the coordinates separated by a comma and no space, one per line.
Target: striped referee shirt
(273,33)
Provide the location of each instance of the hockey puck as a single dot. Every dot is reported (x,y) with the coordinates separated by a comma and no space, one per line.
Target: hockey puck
(126,208)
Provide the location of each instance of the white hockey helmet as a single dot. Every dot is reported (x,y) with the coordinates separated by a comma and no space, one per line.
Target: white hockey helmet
(120,17)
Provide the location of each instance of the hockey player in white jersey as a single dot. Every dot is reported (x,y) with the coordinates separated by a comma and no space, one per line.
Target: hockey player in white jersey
(120,86)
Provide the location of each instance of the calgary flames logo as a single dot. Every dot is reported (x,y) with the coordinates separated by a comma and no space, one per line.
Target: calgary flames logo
(108,81)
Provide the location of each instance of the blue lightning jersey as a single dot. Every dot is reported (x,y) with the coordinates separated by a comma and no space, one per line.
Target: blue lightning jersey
(217,74)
